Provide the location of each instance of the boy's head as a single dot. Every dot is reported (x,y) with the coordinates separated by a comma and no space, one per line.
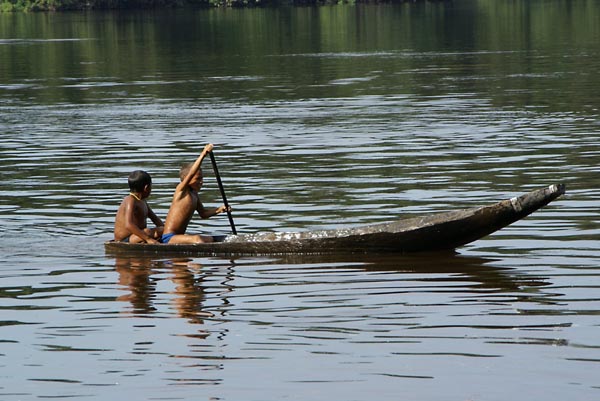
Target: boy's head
(139,181)
(198,178)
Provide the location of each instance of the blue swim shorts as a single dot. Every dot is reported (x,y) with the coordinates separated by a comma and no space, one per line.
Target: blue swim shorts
(166,238)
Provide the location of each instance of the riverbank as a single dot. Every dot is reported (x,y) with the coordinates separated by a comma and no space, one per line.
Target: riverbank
(66,5)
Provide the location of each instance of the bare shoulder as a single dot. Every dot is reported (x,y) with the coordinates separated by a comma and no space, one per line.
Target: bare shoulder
(125,202)
(180,191)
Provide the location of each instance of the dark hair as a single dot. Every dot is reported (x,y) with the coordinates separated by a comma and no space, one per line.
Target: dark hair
(185,170)
(138,180)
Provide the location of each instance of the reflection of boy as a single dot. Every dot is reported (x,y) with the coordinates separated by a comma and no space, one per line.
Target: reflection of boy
(130,222)
(185,202)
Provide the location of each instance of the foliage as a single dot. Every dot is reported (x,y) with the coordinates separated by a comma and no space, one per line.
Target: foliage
(58,5)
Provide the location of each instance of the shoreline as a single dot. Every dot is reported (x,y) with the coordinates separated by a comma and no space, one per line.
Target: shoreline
(8,6)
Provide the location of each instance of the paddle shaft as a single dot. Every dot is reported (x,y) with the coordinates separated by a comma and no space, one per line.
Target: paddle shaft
(216,170)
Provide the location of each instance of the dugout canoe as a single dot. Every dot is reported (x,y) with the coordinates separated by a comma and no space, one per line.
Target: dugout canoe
(435,232)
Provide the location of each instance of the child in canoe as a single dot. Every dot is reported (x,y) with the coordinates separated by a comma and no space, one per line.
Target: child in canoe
(130,222)
(185,202)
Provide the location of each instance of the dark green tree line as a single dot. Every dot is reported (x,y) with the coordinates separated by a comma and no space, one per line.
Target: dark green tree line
(63,5)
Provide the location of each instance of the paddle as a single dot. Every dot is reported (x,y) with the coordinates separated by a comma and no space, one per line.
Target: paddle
(216,170)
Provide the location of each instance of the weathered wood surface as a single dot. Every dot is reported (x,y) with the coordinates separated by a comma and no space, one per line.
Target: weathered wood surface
(436,232)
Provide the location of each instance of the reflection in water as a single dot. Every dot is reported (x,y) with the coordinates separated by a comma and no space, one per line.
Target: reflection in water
(290,319)
(135,274)
(475,272)
(139,276)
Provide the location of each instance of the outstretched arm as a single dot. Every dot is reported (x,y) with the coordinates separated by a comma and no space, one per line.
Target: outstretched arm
(196,166)
(205,213)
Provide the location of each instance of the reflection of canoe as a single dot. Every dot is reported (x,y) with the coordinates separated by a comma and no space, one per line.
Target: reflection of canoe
(436,232)
(465,271)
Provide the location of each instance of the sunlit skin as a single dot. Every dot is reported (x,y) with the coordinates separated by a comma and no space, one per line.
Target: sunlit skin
(186,201)
(131,217)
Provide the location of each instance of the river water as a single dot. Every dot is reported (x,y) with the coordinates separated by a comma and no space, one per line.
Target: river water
(321,118)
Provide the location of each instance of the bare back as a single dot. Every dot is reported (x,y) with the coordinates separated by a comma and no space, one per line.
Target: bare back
(185,202)
(131,211)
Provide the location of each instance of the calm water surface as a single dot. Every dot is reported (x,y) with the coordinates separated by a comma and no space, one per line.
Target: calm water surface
(322,118)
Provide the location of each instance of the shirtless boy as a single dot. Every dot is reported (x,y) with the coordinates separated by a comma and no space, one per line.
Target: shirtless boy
(185,202)
(130,223)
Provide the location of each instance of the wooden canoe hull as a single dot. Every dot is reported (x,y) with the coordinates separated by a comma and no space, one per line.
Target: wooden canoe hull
(436,232)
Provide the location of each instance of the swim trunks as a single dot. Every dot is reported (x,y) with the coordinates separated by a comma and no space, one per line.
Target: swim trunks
(126,239)
(166,238)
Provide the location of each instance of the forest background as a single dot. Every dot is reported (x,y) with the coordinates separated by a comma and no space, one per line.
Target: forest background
(63,5)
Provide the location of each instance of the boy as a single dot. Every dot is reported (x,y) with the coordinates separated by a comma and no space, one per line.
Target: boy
(130,222)
(185,202)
